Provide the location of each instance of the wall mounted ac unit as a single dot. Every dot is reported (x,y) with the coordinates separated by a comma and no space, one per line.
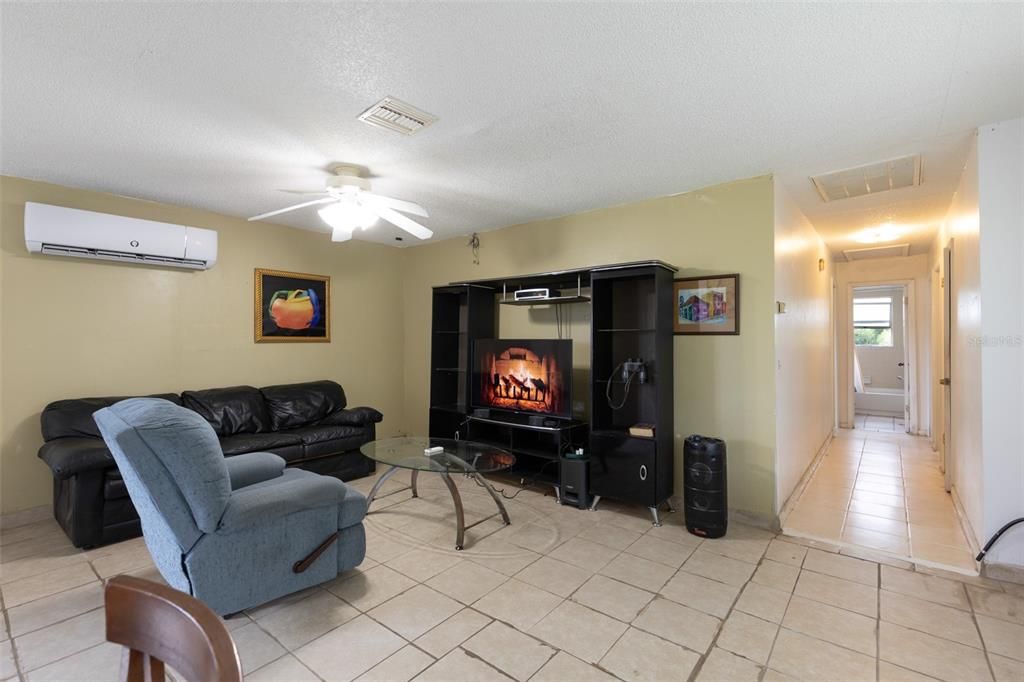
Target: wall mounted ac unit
(59,231)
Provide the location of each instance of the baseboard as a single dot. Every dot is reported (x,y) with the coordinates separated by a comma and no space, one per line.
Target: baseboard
(1010,573)
(805,479)
(26,516)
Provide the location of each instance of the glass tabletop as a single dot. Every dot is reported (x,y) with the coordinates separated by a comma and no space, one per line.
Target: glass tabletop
(459,456)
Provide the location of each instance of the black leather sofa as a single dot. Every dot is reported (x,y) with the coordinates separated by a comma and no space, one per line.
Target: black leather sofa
(307,424)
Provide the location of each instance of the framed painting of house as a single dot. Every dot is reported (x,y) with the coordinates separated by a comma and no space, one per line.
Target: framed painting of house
(292,306)
(706,305)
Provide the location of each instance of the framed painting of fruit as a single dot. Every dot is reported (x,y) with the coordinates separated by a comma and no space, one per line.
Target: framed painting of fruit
(292,306)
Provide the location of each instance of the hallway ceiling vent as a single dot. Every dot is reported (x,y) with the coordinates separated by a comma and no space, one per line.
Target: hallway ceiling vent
(870,179)
(889,251)
(394,114)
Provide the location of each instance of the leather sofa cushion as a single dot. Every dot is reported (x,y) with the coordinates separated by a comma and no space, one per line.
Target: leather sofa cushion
(356,416)
(294,405)
(257,442)
(236,409)
(113,485)
(319,434)
(73,418)
(69,456)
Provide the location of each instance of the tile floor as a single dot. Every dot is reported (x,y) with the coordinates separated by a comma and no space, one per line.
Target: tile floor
(871,422)
(883,491)
(560,595)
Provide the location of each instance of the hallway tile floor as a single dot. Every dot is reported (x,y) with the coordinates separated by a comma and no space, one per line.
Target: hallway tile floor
(882,491)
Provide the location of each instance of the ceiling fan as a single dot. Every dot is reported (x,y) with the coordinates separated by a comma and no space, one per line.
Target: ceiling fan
(349,205)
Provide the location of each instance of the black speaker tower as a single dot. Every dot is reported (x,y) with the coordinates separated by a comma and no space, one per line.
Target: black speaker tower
(707,510)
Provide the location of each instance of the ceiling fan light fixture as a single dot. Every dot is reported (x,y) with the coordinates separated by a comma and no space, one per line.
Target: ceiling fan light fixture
(347,216)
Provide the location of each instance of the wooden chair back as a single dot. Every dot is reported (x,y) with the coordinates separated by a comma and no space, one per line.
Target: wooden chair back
(159,625)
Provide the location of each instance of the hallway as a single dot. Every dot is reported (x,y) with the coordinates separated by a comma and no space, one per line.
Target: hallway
(882,491)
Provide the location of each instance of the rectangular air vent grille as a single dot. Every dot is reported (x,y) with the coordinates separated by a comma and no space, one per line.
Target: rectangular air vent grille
(869,179)
(396,115)
(889,251)
(120,256)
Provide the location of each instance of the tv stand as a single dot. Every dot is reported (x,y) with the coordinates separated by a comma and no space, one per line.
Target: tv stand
(515,434)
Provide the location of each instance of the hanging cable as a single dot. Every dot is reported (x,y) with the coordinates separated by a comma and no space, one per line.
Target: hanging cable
(608,387)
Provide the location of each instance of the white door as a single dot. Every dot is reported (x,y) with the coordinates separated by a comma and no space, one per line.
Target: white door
(947,364)
(904,365)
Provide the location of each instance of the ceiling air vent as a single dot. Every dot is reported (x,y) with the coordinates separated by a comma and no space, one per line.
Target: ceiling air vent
(869,179)
(396,115)
(890,251)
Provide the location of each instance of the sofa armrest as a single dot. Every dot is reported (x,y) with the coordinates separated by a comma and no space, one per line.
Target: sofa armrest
(253,467)
(353,416)
(267,504)
(69,456)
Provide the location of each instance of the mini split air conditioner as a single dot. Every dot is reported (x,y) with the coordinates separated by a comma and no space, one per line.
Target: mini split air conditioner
(59,231)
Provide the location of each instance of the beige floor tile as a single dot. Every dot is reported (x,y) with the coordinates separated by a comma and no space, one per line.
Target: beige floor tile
(680,624)
(748,636)
(349,650)
(103,662)
(639,572)
(838,566)
(1002,637)
(837,592)
(927,587)
(874,485)
(416,611)
(1006,669)
(878,498)
(590,556)
(931,655)
(43,585)
(785,552)
(821,524)
(610,535)
(540,538)
(583,632)
(132,555)
(458,666)
(661,551)
(384,547)
(613,598)
(509,650)
(897,513)
(887,672)
(764,602)
(742,542)
(949,535)
(15,569)
(875,556)
(775,575)
(422,564)
(453,632)
(877,524)
(674,533)
(641,656)
(554,576)
(8,670)
(367,589)
(285,669)
(628,517)
(466,582)
(48,610)
(718,567)
(517,603)
(44,646)
(724,666)
(869,538)
(845,628)
(255,647)
(1000,605)
(960,557)
(703,594)
(566,668)
(401,666)
(804,657)
(303,621)
(934,619)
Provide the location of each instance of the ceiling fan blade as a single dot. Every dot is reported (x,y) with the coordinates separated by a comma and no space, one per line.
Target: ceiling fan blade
(407,224)
(304,204)
(397,204)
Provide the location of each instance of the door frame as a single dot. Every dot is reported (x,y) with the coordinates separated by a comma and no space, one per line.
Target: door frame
(910,357)
(947,456)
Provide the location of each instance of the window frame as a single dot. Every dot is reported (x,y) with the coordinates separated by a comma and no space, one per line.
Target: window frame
(873,324)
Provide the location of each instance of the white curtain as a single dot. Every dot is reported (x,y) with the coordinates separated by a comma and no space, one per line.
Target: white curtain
(858,381)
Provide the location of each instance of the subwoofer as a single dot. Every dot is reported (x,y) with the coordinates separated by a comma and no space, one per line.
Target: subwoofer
(704,493)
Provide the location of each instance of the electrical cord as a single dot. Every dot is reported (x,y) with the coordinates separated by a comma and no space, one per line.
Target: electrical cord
(999,533)
(608,387)
(524,486)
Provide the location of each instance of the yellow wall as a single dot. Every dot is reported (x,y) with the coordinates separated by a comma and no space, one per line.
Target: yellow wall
(73,328)
(724,386)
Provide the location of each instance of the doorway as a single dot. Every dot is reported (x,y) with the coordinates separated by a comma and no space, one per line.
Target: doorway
(880,319)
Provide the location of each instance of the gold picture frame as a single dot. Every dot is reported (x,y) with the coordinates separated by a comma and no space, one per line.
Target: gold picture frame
(291,307)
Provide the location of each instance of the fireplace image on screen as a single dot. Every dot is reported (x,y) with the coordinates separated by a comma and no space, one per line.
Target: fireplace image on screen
(524,375)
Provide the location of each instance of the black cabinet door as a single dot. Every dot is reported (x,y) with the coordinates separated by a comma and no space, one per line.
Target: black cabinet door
(624,468)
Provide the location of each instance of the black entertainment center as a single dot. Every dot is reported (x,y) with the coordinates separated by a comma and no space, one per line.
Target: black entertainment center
(516,393)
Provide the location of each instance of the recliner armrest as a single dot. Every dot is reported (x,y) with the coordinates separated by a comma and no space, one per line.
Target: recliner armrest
(69,456)
(353,416)
(253,467)
(261,505)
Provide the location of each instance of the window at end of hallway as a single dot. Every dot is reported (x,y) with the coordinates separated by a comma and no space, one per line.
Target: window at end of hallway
(872,321)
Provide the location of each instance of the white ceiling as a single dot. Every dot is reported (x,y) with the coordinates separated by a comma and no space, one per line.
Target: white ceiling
(545,109)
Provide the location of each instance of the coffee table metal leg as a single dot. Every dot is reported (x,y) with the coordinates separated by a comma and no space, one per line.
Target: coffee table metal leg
(460,533)
(376,486)
(494,496)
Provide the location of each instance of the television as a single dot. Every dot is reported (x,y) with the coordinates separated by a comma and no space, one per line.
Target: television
(530,376)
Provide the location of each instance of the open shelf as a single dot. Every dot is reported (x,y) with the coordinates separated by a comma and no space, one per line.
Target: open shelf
(636,330)
(556,300)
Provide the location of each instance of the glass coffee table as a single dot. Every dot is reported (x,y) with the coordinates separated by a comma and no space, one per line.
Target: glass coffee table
(457,457)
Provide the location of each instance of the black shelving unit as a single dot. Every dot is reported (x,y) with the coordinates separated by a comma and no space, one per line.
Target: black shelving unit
(460,315)
(632,318)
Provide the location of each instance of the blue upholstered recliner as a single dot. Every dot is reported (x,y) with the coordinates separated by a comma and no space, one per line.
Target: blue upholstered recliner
(233,532)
